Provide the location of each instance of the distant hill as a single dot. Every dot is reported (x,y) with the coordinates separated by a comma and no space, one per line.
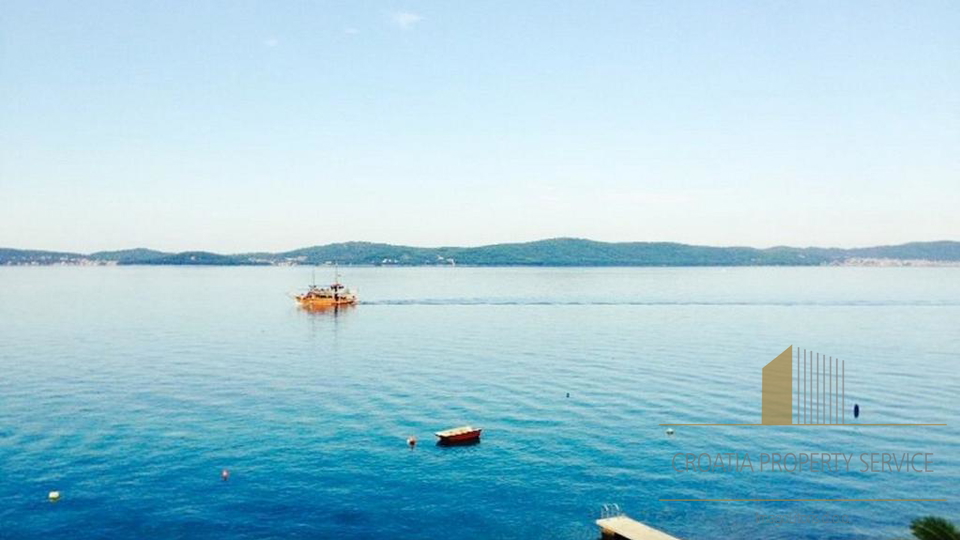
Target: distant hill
(128,256)
(34,257)
(196,258)
(552,252)
(934,251)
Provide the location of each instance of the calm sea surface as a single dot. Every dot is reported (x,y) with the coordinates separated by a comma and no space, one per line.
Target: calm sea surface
(129,389)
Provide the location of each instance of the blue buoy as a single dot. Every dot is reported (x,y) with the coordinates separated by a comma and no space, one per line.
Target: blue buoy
(856,410)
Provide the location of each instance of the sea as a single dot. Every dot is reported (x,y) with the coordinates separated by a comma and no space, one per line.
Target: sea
(130,389)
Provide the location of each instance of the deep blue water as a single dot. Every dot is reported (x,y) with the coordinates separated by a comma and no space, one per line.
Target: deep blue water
(129,389)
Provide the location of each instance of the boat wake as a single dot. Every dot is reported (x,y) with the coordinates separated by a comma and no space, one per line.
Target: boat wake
(535,302)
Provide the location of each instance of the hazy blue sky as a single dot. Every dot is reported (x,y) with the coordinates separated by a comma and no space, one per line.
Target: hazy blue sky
(238,126)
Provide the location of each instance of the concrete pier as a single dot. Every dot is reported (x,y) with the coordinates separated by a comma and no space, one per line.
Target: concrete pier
(624,527)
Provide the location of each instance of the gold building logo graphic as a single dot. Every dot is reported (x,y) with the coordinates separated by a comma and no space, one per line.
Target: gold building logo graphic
(801,388)
(816,396)
(805,388)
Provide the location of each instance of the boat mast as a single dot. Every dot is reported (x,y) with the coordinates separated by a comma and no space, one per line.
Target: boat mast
(336,281)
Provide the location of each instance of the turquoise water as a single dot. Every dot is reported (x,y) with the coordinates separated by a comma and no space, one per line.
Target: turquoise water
(129,389)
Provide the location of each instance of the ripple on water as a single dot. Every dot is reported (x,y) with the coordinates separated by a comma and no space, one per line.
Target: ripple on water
(132,412)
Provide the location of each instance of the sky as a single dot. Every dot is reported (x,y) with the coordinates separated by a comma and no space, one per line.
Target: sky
(238,126)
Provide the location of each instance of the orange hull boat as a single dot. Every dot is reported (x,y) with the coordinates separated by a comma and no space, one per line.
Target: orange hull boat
(327,297)
(323,302)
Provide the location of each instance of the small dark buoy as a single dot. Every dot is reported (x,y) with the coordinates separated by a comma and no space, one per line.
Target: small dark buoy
(856,410)
(412,441)
(568,394)
(225,475)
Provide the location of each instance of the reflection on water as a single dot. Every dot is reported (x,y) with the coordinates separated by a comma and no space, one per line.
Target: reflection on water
(330,311)
(449,444)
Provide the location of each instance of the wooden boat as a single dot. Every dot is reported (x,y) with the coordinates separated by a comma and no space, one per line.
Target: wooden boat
(326,297)
(462,434)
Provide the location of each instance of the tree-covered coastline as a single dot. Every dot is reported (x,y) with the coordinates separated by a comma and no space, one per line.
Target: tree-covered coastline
(552,252)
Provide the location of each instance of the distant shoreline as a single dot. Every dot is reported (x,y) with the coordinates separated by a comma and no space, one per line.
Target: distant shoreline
(865,264)
(559,252)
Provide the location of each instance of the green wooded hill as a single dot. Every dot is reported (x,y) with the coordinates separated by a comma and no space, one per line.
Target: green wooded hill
(553,252)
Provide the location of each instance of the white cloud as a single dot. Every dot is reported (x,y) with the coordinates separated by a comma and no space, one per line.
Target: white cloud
(271,42)
(405,19)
